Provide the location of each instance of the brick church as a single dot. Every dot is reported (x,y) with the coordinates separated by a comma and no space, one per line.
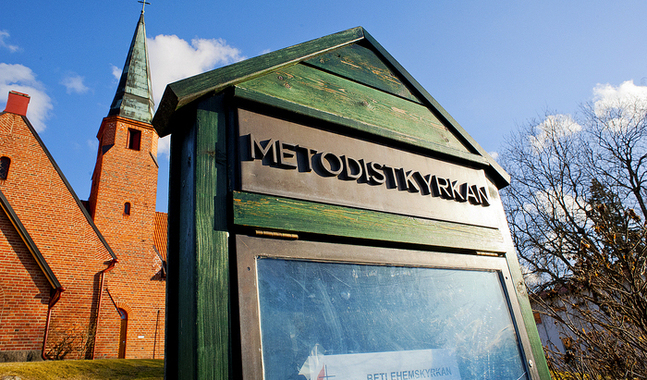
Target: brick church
(84,279)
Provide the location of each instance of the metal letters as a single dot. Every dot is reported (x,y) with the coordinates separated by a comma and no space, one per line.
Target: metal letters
(328,164)
(286,159)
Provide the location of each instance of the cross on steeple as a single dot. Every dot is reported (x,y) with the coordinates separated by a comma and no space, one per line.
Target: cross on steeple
(143,2)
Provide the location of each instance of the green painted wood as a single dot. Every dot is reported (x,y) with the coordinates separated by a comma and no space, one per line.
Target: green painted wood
(436,149)
(213,313)
(183,92)
(362,65)
(180,281)
(179,94)
(267,212)
(198,303)
(398,118)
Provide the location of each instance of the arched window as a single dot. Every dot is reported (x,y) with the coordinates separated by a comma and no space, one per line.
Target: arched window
(123,333)
(4,167)
(127,208)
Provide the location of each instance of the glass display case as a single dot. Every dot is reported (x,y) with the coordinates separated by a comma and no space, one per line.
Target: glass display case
(330,311)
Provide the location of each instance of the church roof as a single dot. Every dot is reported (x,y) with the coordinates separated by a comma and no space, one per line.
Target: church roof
(134,97)
(68,186)
(354,55)
(159,237)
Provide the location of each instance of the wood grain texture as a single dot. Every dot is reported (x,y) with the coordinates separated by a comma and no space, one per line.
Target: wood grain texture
(213,313)
(180,283)
(179,94)
(436,149)
(391,116)
(261,211)
(362,65)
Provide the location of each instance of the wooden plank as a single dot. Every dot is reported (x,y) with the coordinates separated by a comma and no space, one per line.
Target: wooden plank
(180,283)
(438,150)
(213,313)
(261,211)
(395,117)
(362,65)
(179,94)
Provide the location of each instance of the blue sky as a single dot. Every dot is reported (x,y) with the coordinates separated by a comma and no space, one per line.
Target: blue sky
(491,64)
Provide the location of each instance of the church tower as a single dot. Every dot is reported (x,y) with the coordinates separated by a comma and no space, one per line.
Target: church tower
(122,205)
(124,182)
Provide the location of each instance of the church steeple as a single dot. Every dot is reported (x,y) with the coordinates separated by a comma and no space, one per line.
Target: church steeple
(134,97)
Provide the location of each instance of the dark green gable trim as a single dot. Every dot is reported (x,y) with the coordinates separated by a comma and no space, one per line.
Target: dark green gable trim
(351,102)
(356,125)
(360,64)
(179,94)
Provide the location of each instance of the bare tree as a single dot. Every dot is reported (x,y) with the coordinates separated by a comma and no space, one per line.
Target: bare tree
(577,208)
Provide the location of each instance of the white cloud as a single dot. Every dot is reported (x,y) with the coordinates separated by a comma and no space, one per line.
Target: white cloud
(620,107)
(164,145)
(116,72)
(93,144)
(20,78)
(494,155)
(12,48)
(172,58)
(74,84)
(606,96)
(552,128)
(560,206)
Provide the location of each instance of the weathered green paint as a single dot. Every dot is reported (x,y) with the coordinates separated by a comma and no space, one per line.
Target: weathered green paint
(401,119)
(267,212)
(201,290)
(180,284)
(181,93)
(362,65)
(439,150)
(213,314)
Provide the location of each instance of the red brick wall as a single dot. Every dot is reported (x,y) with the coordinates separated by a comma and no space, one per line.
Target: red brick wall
(56,223)
(126,175)
(24,293)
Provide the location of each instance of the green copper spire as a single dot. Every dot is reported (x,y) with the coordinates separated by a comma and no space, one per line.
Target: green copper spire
(134,97)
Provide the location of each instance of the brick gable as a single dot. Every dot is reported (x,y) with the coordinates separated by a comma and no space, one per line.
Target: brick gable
(61,229)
